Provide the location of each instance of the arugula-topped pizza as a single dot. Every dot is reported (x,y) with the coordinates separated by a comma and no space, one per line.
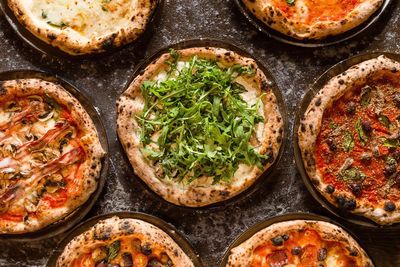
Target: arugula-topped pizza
(200,125)
(84,27)
(312,19)
(49,155)
(349,137)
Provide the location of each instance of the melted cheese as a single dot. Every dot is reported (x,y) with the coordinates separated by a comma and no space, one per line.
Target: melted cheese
(87,18)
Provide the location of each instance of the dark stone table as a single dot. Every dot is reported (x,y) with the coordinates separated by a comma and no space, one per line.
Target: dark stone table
(209,230)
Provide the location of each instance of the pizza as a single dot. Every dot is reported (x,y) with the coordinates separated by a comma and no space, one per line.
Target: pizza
(84,27)
(349,140)
(300,243)
(50,155)
(123,242)
(312,19)
(200,125)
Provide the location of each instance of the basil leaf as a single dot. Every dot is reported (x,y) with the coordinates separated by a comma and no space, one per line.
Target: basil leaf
(113,250)
(352,174)
(366,95)
(361,134)
(348,142)
(384,120)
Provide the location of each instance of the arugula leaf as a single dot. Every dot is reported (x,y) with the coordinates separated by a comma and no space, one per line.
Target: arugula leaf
(113,250)
(348,141)
(361,134)
(202,124)
(290,2)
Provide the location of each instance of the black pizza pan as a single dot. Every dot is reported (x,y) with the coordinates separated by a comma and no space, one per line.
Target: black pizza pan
(268,174)
(330,40)
(169,229)
(45,48)
(283,218)
(314,89)
(78,214)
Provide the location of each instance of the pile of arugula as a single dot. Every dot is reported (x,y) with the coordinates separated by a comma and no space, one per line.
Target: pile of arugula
(203,125)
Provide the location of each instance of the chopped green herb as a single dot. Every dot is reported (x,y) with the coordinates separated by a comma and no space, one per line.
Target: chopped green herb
(348,142)
(44,14)
(333,125)
(361,134)
(113,250)
(60,25)
(388,142)
(391,161)
(196,122)
(290,2)
(352,174)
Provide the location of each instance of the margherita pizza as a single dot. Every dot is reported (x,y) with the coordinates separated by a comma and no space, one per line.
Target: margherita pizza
(200,125)
(300,243)
(123,242)
(350,142)
(83,27)
(312,19)
(50,155)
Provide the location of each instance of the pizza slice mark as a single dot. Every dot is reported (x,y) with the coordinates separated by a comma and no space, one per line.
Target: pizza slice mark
(371,113)
(126,251)
(23,187)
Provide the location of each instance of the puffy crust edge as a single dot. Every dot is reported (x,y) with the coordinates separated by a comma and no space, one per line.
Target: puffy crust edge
(193,195)
(310,126)
(114,228)
(241,254)
(273,18)
(64,38)
(94,151)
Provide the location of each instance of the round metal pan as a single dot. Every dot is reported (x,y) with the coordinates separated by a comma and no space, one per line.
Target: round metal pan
(166,227)
(262,27)
(314,89)
(205,42)
(282,218)
(77,215)
(50,50)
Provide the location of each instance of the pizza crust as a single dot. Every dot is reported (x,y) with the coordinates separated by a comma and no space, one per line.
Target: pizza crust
(240,255)
(93,149)
(310,126)
(201,192)
(271,16)
(99,40)
(114,228)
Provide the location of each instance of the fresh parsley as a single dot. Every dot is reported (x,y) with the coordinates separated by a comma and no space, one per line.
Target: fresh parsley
(113,250)
(196,123)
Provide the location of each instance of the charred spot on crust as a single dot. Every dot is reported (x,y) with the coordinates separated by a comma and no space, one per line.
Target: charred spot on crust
(51,36)
(318,102)
(109,42)
(104,233)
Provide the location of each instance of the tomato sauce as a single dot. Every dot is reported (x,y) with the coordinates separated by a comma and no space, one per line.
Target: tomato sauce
(319,10)
(375,154)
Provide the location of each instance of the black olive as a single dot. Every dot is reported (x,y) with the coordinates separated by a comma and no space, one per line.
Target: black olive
(146,250)
(154,263)
(366,126)
(390,206)
(102,263)
(277,241)
(321,265)
(296,250)
(389,170)
(366,158)
(322,253)
(346,203)
(330,189)
(351,108)
(396,155)
(285,237)
(356,189)
(127,258)
(331,144)
(396,100)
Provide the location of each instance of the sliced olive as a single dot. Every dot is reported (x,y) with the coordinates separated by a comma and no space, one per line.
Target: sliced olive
(389,170)
(285,237)
(146,250)
(366,126)
(331,144)
(366,158)
(330,189)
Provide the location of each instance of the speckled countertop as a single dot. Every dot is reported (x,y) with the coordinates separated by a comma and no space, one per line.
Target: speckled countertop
(209,230)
